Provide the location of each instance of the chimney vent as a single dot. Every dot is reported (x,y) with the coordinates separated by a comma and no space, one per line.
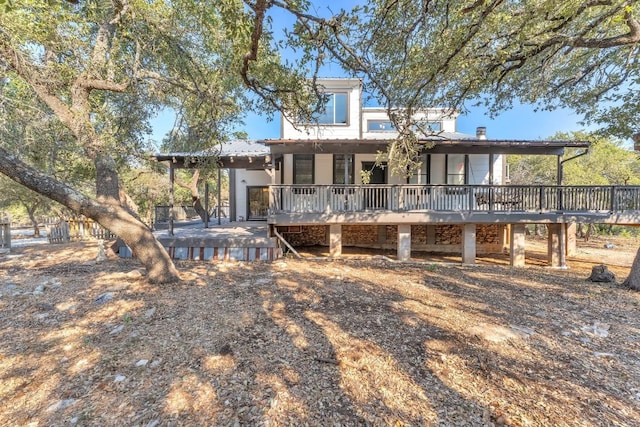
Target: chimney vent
(481,132)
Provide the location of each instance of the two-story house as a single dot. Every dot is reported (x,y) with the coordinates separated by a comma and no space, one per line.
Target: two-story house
(314,192)
(308,186)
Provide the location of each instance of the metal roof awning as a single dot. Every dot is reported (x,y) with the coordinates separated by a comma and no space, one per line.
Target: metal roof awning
(237,154)
(431,145)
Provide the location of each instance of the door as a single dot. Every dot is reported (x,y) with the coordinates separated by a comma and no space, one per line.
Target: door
(258,203)
(376,197)
(378,173)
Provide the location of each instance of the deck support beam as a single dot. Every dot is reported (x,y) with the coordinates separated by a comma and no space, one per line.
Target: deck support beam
(469,244)
(517,245)
(404,242)
(335,240)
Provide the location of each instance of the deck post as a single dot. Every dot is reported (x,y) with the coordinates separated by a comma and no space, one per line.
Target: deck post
(516,245)
(172,178)
(335,240)
(505,231)
(206,204)
(404,242)
(469,244)
(556,255)
(5,234)
(219,195)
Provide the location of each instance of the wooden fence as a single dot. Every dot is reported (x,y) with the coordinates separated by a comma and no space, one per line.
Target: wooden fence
(75,230)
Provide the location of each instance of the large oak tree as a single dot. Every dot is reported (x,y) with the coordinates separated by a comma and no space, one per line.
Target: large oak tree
(102,69)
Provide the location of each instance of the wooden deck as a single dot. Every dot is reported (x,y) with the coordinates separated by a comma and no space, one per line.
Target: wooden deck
(236,241)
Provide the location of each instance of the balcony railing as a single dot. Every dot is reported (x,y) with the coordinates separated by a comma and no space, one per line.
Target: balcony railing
(452,198)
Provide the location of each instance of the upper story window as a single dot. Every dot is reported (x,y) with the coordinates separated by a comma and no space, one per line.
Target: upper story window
(336,108)
(387,126)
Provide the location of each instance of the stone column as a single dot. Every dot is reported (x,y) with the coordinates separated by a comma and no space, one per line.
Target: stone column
(335,240)
(517,245)
(469,244)
(404,242)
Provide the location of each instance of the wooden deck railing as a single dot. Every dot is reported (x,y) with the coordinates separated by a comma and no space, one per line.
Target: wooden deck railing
(453,198)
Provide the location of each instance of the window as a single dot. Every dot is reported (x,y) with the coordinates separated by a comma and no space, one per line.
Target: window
(387,126)
(303,168)
(343,168)
(380,126)
(335,111)
(456,169)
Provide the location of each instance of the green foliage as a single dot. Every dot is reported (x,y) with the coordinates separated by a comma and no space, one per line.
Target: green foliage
(95,73)
(608,162)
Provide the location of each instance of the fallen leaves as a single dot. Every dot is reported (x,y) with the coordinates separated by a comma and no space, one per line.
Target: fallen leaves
(347,342)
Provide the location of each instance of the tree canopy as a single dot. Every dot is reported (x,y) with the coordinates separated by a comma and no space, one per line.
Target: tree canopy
(583,55)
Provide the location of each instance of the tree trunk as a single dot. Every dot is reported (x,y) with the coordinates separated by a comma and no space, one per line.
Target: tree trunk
(192,186)
(34,221)
(143,244)
(633,281)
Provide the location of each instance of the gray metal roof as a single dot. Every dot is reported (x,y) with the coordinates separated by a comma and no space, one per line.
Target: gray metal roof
(235,148)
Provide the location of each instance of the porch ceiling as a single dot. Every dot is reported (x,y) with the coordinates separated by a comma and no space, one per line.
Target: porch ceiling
(466,146)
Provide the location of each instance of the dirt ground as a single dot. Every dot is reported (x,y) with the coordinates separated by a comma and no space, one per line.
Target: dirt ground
(319,343)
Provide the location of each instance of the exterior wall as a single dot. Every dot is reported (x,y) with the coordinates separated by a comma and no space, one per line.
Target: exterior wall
(287,169)
(499,164)
(324,169)
(250,178)
(356,126)
(348,131)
